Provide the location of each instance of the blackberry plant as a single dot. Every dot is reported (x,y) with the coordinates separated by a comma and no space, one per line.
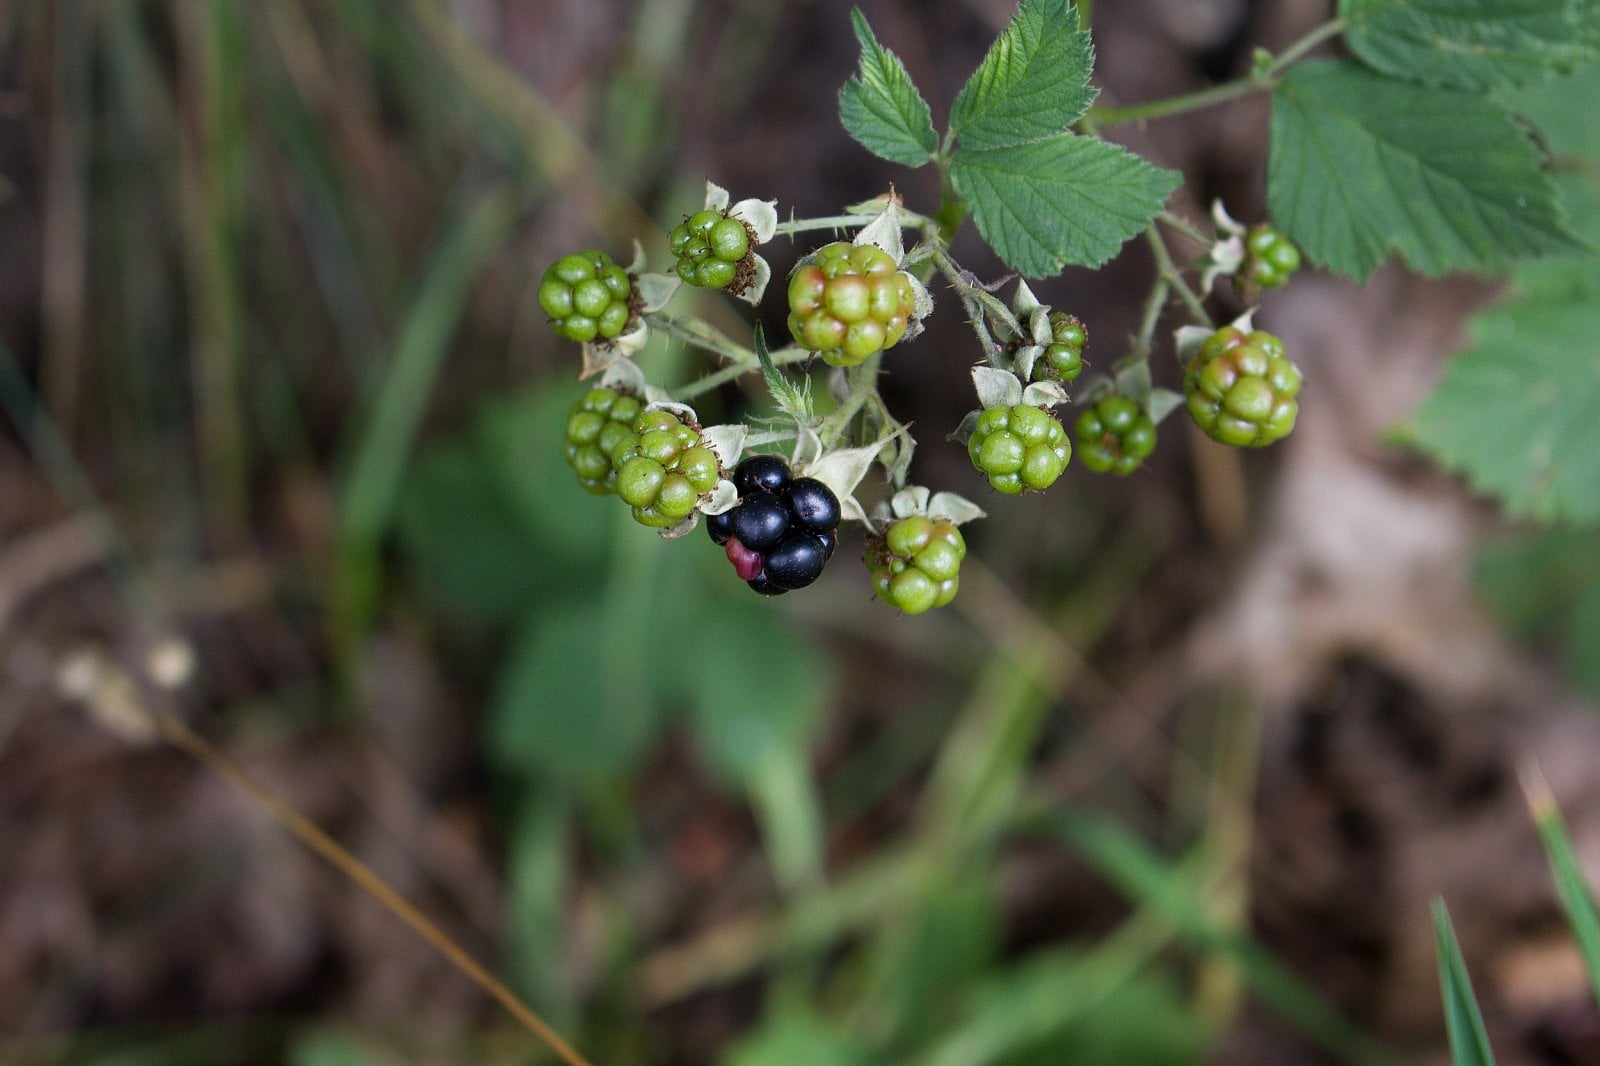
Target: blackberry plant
(1023,158)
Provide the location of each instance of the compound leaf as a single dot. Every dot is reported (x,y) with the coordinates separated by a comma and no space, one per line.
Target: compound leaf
(1033,83)
(1472,44)
(1362,164)
(1060,201)
(881,107)
(1515,410)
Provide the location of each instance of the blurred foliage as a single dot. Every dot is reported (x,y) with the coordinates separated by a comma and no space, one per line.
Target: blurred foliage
(1544,586)
(286,252)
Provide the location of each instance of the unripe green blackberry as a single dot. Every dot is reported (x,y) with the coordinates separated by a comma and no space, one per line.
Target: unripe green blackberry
(1063,357)
(710,248)
(848,301)
(663,468)
(1115,436)
(1019,447)
(1270,258)
(587,296)
(600,421)
(1240,388)
(916,564)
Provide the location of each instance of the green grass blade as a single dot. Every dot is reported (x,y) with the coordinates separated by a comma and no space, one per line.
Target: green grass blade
(1168,891)
(384,442)
(1469,1041)
(1571,886)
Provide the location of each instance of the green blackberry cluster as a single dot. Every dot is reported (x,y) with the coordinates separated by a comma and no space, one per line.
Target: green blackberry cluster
(849,301)
(586,296)
(663,467)
(1063,357)
(710,247)
(915,565)
(1115,436)
(600,421)
(1019,448)
(1270,258)
(1241,388)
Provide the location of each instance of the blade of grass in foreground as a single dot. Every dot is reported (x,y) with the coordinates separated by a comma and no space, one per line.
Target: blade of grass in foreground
(1469,1041)
(1571,886)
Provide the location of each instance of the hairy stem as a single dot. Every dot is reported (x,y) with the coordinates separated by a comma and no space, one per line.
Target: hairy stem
(1174,277)
(1185,227)
(1259,79)
(702,334)
(851,221)
(718,378)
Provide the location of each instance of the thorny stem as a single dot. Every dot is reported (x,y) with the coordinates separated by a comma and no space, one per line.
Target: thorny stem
(803,225)
(977,300)
(702,334)
(1259,79)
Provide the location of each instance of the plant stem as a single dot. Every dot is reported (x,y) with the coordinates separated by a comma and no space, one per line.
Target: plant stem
(1153,306)
(863,381)
(1258,79)
(1183,226)
(702,334)
(980,303)
(1175,105)
(1297,51)
(853,221)
(952,212)
(700,386)
(311,835)
(1174,277)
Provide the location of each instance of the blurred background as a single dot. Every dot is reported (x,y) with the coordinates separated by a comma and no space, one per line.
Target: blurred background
(1172,781)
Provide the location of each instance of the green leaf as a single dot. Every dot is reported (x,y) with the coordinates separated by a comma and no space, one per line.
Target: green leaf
(1545,585)
(936,946)
(792,1035)
(1065,200)
(793,400)
(1032,84)
(1562,110)
(1362,164)
(457,531)
(881,107)
(557,713)
(330,1047)
(1472,44)
(1469,1041)
(521,438)
(1571,885)
(744,717)
(474,513)
(1515,411)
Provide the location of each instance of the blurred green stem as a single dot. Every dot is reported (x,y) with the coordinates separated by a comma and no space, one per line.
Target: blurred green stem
(382,445)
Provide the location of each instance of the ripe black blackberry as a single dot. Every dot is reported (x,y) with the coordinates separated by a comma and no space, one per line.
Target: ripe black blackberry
(781,533)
